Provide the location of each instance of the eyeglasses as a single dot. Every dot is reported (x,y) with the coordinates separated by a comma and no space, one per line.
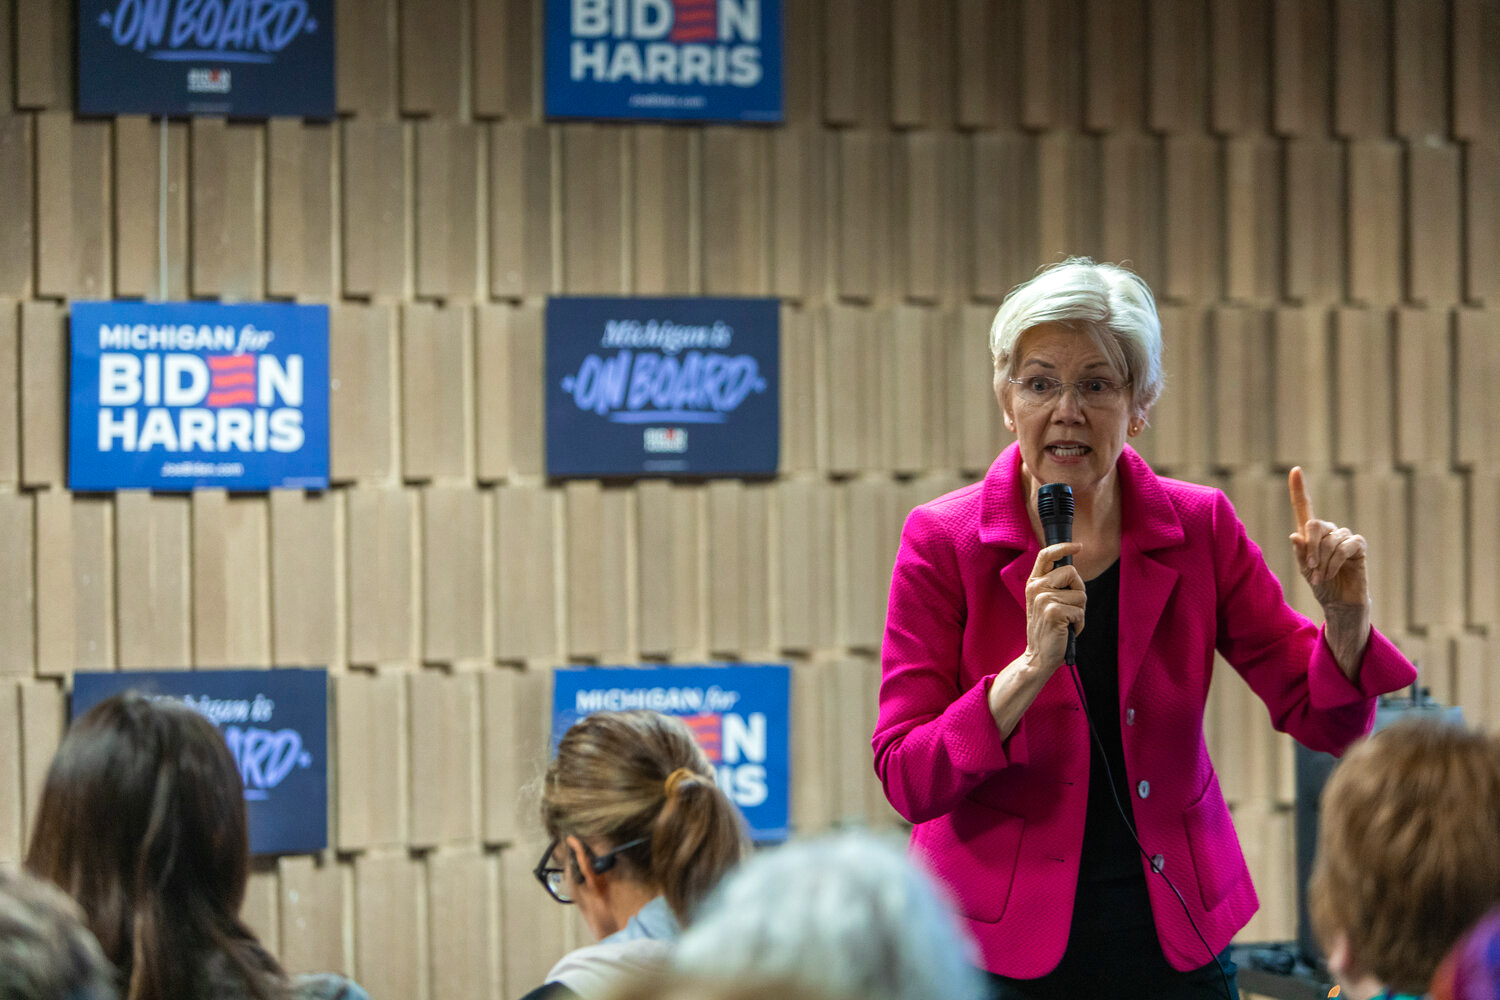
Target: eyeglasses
(1039,389)
(551,876)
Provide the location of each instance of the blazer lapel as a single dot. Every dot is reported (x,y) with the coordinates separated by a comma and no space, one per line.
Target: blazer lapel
(1004,521)
(1149,523)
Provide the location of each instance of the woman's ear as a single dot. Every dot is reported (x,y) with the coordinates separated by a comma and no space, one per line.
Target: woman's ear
(583,869)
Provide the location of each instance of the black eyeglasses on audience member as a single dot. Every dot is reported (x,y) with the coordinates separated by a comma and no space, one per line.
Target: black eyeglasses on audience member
(551,876)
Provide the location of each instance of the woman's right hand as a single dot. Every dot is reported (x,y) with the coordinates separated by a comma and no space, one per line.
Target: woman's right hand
(1055,599)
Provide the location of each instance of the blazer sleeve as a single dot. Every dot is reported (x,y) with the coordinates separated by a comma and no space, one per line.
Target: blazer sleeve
(1284,657)
(934,741)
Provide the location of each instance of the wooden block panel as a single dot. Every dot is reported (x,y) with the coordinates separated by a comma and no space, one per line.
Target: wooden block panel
(855,349)
(734,170)
(533,929)
(1434,223)
(922,63)
(1302,38)
(1114,65)
(43,717)
(526,572)
(44,394)
(1253,238)
(848,754)
(227,225)
(1131,178)
(502,58)
(915,344)
(864,221)
(462,923)
(374,208)
(1180,54)
(1476,75)
(17,596)
(453,574)
(56,615)
(43,55)
(17,228)
(975,418)
(1420,37)
(1240,64)
(1483,537)
(798,213)
(381,599)
(152,588)
(495,399)
(856,60)
(1364,384)
(597,581)
(870,553)
(436,387)
(312,913)
(10,394)
(1375,215)
(738,560)
(1424,377)
(447,209)
(137,207)
(1303,409)
(259,909)
(802,61)
(92,590)
(1003,208)
(807,564)
(13,834)
(1195,220)
(593,225)
(299,209)
(388,926)
(667,577)
(431,71)
(369,719)
(934,370)
(361,388)
(515,723)
(1051,64)
(520,209)
(1380,504)
(1481,171)
(443,710)
(1475,692)
(72,207)
(1437,586)
(1242,384)
(1477,369)
(801,388)
(1068,197)
(304,587)
(366,58)
(661,254)
(813,793)
(1315,224)
(1361,68)
(231,585)
(989,83)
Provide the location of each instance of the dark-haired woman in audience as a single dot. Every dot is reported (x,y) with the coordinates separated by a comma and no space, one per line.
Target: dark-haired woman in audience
(142,821)
(639,835)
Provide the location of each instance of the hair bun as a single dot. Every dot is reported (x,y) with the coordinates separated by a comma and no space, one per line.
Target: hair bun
(677,777)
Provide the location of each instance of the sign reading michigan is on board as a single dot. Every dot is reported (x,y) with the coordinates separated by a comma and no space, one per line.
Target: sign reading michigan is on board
(699,60)
(172,396)
(663,387)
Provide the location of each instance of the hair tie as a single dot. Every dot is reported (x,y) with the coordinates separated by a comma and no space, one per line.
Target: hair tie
(677,777)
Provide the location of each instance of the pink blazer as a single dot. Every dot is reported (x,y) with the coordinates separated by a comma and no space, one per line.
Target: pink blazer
(1000,822)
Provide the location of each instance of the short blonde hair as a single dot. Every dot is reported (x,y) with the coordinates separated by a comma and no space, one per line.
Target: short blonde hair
(1408,848)
(1112,305)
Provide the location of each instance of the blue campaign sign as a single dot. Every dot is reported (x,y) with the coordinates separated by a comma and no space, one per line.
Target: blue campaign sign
(276,724)
(662,386)
(694,60)
(738,713)
(250,58)
(177,395)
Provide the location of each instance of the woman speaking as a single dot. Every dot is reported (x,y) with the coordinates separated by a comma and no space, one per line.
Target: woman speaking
(1067,810)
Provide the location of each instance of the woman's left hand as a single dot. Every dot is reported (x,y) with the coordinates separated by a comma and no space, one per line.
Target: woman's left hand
(1331,558)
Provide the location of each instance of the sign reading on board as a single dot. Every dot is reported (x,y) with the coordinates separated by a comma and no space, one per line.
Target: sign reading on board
(739,715)
(699,60)
(666,387)
(276,724)
(177,395)
(252,58)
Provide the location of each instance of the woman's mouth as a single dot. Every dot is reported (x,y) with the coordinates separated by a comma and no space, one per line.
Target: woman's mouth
(1067,450)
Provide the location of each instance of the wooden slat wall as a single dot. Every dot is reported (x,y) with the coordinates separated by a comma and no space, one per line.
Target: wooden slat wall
(1311,186)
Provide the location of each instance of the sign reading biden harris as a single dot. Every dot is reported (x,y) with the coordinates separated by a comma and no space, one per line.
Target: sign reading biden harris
(181,395)
(738,714)
(703,60)
(254,58)
(663,387)
(276,725)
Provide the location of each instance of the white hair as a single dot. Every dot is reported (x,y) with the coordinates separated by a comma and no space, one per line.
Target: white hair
(848,915)
(1111,304)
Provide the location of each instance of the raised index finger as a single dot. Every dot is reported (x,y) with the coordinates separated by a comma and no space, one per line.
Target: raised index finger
(1301,506)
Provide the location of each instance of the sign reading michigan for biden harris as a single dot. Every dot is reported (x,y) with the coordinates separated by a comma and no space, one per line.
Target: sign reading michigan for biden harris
(700,60)
(254,58)
(739,714)
(179,395)
(667,387)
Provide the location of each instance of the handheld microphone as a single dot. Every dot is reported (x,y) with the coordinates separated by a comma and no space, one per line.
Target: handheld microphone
(1054,505)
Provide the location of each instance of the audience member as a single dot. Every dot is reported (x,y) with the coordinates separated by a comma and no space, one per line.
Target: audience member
(45,951)
(142,821)
(667,985)
(1408,854)
(1472,969)
(847,915)
(640,833)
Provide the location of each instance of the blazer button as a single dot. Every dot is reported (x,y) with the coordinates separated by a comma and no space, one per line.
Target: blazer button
(1130,717)
(1143,789)
(1158,862)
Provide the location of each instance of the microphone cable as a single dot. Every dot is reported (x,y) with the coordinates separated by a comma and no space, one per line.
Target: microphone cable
(1120,808)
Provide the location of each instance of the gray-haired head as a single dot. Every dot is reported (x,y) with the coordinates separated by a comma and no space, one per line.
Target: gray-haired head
(1110,304)
(847,915)
(45,951)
